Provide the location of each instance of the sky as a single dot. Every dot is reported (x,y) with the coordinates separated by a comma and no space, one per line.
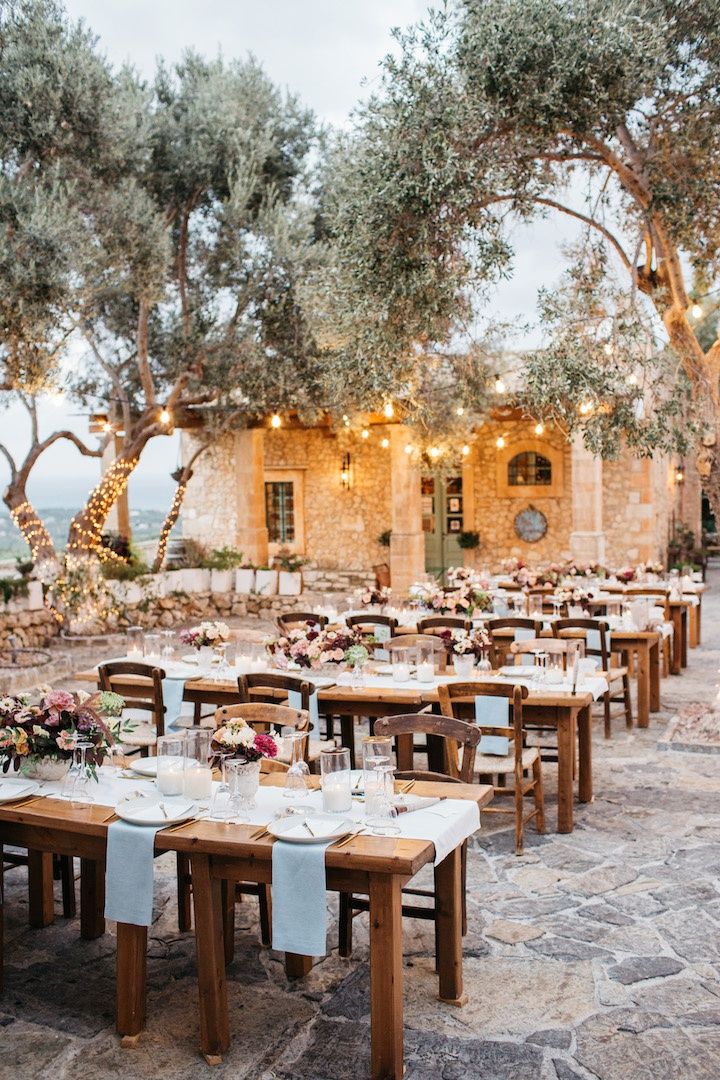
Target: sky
(327,51)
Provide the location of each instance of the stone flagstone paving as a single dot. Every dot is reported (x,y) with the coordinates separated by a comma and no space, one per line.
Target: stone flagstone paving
(596,955)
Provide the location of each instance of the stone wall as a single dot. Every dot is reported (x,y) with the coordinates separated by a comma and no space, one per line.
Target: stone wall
(32,629)
(637,505)
(210,507)
(494,513)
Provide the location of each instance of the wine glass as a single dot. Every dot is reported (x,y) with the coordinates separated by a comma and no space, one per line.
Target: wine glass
(82,790)
(296,778)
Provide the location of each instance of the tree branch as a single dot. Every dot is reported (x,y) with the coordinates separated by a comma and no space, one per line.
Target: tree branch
(10,460)
(592,223)
(142,354)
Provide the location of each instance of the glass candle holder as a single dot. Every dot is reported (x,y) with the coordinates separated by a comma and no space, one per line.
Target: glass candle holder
(197,776)
(425,670)
(135,643)
(153,647)
(171,764)
(335,780)
(400,665)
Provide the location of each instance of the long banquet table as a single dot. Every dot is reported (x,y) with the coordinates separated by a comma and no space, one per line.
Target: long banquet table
(375,866)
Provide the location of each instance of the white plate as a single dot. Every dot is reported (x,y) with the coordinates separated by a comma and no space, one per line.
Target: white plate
(144,767)
(149,811)
(16,787)
(324,826)
(190,658)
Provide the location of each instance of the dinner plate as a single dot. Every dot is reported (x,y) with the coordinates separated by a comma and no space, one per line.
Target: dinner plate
(150,811)
(324,828)
(190,658)
(16,787)
(144,766)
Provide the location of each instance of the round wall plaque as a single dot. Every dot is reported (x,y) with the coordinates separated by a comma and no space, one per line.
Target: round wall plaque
(531,525)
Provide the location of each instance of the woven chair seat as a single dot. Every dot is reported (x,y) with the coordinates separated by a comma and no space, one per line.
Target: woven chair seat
(490,764)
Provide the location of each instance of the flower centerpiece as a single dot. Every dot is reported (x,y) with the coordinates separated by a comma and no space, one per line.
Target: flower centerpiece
(311,646)
(465,647)
(236,739)
(41,739)
(205,634)
(375,597)
(463,600)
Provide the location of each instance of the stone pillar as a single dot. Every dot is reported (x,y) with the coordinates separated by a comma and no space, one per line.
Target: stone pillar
(689,496)
(118,520)
(587,539)
(471,556)
(252,534)
(407,541)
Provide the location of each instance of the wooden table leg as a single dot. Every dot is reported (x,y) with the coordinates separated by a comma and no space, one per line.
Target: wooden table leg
(386,978)
(684,637)
(347,734)
(130,981)
(693,635)
(448,908)
(209,946)
(92,899)
(297,966)
(676,657)
(585,780)
(565,730)
(41,905)
(654,660)
(699,620)
(643,684)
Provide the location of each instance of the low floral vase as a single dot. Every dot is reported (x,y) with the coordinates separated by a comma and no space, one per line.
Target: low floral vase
(44,768)
(463,665)
(245,782)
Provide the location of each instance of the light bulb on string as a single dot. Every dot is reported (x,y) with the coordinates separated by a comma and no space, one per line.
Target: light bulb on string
(388,410)
(409,448)
(586,408)
(465,450)
(165,416)
(500,442)
(499,385)
(434,452)
(275,421)
(385,443)
(364,434)
(696,310)
(539,428)
(460,410)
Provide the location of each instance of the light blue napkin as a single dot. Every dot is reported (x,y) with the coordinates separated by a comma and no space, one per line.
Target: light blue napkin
(493,712)
(523,633)
(295,702)
(173,691)
(592,639)
(299,907)
(381,633)
(129,873)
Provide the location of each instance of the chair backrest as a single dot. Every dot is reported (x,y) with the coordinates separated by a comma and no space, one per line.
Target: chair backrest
(264,686)
(145,691)
(291,620)
(520,649)
(411,641)
(370,619)
(435,624)
(455,735)
(263,716)
(503,633)
(594,633)
(500,728)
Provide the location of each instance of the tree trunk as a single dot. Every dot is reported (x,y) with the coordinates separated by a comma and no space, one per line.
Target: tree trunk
(26,519)
(86,528)
(169,522)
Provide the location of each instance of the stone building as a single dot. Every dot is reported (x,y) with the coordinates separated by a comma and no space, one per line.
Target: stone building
(330,496)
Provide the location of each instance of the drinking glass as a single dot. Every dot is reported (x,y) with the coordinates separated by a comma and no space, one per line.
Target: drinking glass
(197,776)
(221,806)
(296,778)
(82,789)
(168,644)
(535,604)
(153,647)
(377,749)
(135,643)
(540,664)
(380,811)
(335,780)
(171,764)
(400,665)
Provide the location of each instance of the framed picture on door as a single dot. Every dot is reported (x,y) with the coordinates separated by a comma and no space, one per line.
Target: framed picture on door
(454,525)
(453,506)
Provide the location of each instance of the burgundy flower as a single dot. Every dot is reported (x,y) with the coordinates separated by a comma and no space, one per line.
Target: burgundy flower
(266,745)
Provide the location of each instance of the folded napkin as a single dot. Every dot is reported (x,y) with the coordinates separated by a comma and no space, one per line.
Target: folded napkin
(129,873)
(299,908)
(523,633)
(295,702)
(411,803)
(492,712)
(173,691)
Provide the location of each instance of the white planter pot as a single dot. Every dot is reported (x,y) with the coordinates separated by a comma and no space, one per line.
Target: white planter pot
(174,581)
(34,596)
(222,581)
(133,592)
(244,581)
(196,580)
(290,584)
(266,582)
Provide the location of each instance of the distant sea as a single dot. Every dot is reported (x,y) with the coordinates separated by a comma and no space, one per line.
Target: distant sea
(146,525)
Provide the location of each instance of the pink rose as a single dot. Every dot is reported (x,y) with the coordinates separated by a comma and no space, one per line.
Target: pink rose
(66,740)
(60,700)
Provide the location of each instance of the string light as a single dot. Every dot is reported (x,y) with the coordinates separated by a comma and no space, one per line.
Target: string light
(696,311)
(389,410)
(169,524)
(539,429)
(679,475)
(385,443)
(632,379)
(586,408)
(275,421)
(499,385)
(86,529)
(459,411)
(465,450)
(107,427)
(500,442)
(409,448)
(364,434)
(32,528)
(165,416)
(434,452)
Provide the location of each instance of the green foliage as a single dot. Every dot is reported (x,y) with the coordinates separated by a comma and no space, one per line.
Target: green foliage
(225,558)
(468,539)
(124,571)
(288,561)
(384,538)
(13,588)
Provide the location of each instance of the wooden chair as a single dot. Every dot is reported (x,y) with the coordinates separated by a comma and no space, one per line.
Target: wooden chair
(411,641)
(579,628)
(292,620)
(273,688)
(452,735)
(552,646)
(146,696)
(366,622)
(435,624)
(502,635)
(458,700)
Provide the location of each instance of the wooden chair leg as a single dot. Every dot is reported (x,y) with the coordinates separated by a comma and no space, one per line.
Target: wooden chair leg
(67,885)
(184,902)
(345,927)
(606,714)
(519,824)
(463,873)
(265,901)
(539,796)
(628,701)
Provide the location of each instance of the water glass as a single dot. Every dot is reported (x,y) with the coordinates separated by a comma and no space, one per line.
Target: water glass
(82,789)
(335,780)
(377,750)
(135,643)
(171,764)
(168,644)
(380,811)
(153,647)
(296,778)
(535,604)
(540,664)
(197,776)
(221,804)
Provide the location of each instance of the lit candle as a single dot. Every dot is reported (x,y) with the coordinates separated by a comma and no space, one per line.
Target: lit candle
(170,775)
(244,664)
(135,653)
(337,798)
(258,665)
(401,672)
(197,781)
(426,672)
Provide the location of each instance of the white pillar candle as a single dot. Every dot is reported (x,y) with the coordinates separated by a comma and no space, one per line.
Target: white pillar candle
(401,673)
(244,664)
(336,797)
(258,665)
(426,673)
(134,653)
(170,776)
(197,781)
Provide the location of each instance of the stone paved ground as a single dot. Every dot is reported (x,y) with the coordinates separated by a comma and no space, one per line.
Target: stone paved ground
(596,955)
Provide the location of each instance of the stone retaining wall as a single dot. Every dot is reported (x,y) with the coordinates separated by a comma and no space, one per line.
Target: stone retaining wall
(32,629)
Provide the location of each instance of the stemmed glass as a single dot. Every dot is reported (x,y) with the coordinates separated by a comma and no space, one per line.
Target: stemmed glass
(81,791)
(296,778)
(221,807)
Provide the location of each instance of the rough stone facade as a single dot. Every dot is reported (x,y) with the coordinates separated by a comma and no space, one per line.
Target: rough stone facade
(31,629)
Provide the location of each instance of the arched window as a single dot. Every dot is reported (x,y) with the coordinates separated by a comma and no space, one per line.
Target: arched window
(529,468)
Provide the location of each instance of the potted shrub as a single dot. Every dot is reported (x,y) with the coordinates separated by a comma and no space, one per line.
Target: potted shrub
(222,564)
(290,582)
(266,581)
(245,578)
(195,575)
(122,579)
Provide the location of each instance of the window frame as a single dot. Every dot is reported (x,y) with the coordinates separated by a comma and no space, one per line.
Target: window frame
(297,478)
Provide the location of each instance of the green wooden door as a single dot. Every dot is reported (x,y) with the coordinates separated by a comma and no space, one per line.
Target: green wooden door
(442,518)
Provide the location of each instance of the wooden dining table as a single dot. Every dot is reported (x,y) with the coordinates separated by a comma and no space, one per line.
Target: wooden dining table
(569,713)
(219,854)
